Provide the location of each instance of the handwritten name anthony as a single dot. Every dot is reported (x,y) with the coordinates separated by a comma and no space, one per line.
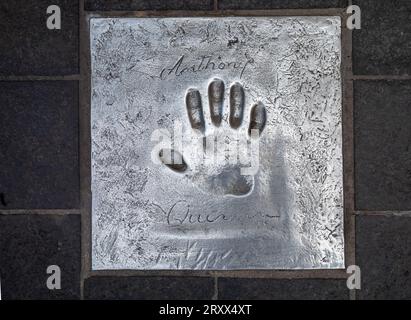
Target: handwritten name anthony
(202,64)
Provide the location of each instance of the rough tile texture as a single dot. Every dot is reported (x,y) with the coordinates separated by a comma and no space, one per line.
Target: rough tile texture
(383,44)
(383,249)
(287,213)
(102,5)
(28,47)
(39,145)
(31,243)
(280,4)
(149,288)
(383,145)
(272,289)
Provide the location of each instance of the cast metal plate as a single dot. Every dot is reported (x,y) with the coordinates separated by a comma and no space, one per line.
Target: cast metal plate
(149,74)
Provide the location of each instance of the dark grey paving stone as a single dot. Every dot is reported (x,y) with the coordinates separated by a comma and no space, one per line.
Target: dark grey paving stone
(102,5)
(383,44)
(39,145)
(382,145)
(282,289)
(31,243)
(28,47)
(149,288)
(280,4)
(383,252)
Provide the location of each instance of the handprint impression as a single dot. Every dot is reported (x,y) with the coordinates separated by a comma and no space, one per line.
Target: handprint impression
(219,176)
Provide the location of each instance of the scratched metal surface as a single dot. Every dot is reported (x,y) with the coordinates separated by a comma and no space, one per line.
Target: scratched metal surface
(146,216)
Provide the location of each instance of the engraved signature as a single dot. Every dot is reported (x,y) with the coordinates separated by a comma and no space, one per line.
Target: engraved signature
(179,213)
(204,63)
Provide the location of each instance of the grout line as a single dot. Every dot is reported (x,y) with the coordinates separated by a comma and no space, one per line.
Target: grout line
(215,5)
(348,145)
(59,212)
(351,253)
(74,77)
(84,242)
(383,213)
(218,13)
(246,273)
(215,296)
(353,294)
(381,77)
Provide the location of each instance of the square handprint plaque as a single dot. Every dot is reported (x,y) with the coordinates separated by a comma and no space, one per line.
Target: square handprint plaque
(216,143)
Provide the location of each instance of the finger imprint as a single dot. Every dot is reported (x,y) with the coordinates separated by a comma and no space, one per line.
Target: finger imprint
(216,98)
(173,159)
(258,118)
(236,105)
(195,109)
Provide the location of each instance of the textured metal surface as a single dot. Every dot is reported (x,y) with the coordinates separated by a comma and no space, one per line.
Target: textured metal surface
(153,73)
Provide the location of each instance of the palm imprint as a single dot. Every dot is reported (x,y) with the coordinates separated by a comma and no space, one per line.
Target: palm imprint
(217,174)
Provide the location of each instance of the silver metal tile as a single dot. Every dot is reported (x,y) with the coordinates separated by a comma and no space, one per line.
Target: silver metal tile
(155,73)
